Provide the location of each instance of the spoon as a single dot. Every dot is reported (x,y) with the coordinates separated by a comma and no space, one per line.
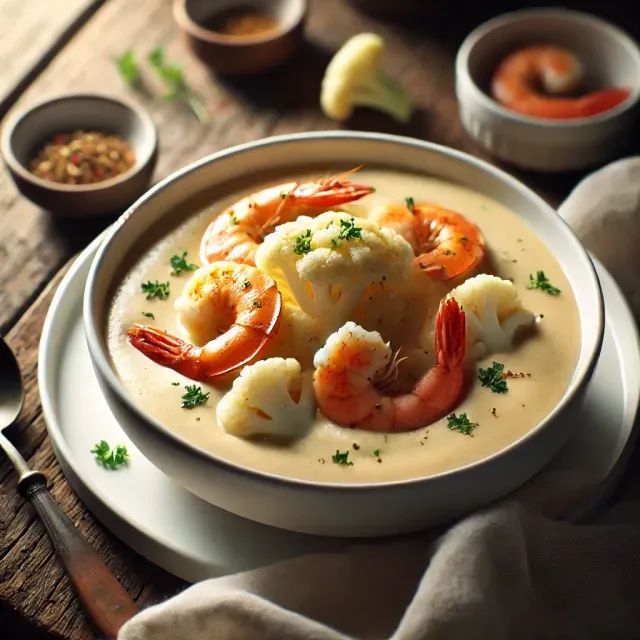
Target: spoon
(104,599)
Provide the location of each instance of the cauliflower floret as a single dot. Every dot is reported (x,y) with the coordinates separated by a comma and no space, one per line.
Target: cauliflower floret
(493,313)
(268,398)
(354,78)
(328,262)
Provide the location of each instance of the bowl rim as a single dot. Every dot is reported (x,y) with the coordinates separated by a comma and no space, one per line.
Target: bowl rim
(101,361)
(196,30)
(511,17)
(11,124)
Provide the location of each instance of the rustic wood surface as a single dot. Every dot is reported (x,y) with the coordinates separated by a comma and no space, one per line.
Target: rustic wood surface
(35,248)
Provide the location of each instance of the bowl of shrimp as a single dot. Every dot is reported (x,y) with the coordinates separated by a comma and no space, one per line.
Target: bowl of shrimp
(549,89)
(344,333)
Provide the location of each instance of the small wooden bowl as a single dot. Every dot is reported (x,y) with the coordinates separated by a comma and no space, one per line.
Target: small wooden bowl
(241,54)
(25,132)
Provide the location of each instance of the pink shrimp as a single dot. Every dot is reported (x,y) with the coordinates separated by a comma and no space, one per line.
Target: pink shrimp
(236,233)
(355,367)
(557,71)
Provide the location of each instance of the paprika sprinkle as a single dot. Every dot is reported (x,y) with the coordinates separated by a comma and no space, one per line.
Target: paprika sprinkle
(242,21)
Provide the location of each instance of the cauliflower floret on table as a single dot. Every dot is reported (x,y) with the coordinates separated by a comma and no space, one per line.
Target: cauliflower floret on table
(328,262)
(268,398)
(493,313)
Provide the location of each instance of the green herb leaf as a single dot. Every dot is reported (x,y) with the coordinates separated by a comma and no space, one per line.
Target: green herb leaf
(175,384)
(110,458)
(411,205)
(146,314)
(341,458)
(156,289)
(540,282)
(376,453)
(128,68)
(302,243)
(246,284)
(493,377)
(348,230)
(180,264)
(234,219)
(461,424)
(193,397)
(257,304)
(336,243)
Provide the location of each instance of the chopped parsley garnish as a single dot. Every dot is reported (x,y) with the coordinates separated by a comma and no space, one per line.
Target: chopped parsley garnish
(283,194)
(541,282)
(257,304)
(234,220)
(193,397)
(246,284)
(175,384)
(376,453)
(411,205)
(336,243)
(156,289)
(303,243)
(146,314)
(341,458)
(493,377)
(110,458)
(180,264)
(461,424)
(348,230)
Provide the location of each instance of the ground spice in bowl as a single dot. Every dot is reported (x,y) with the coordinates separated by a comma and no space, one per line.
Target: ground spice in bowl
(83,157)
(242,21)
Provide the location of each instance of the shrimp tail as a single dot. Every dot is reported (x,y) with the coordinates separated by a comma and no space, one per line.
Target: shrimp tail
(166,350)
(604,100)
(450,333)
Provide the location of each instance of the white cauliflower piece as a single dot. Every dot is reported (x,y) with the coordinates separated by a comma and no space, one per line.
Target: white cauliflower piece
(268,398)
(328,262)
(354,78)
(493,313)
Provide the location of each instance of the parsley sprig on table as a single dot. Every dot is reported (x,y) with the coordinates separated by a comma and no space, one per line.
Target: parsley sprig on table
(176,87)
(341,458)
(155,289)
(541,282)
(193,397)
(180,264)
(128,68)
(110,458)
(493,377)
(461,423)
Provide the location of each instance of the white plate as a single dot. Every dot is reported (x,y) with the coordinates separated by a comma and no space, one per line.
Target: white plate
(195,540)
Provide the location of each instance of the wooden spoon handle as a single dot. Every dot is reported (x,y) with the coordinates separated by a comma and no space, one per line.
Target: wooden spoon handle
(104,599)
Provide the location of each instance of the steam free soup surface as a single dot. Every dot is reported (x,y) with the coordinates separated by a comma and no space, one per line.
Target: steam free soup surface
(547,358)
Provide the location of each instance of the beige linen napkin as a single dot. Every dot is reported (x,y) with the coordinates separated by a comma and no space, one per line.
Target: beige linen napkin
(518,570)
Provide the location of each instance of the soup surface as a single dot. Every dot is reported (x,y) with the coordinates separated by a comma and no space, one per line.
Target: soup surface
(545,359)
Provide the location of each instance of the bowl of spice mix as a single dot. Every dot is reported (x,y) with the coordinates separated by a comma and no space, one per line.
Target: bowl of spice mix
(81,155)
(237,37)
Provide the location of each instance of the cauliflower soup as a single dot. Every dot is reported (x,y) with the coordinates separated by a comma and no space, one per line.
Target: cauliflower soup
(345,276)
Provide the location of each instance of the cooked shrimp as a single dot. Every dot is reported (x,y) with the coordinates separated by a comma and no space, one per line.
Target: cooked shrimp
(445,243)
(355,369)
(237,232)
(518,79)
(233,308)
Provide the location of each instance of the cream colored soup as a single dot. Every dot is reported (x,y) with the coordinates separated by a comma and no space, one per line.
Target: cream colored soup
(547,358)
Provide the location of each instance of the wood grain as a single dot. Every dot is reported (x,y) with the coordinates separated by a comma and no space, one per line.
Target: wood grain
(34,246)
(32,32)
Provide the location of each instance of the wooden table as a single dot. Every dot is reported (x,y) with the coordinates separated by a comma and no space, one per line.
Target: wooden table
(35,249)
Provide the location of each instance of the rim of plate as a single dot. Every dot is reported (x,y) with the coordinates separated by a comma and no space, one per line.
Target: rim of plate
(101,360)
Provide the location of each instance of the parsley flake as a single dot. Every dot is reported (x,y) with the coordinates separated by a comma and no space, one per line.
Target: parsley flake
(348,230)
(156,289)
(493,377)
(234,219)
(461,424)
(146,314)
(302,243)
(175,384)
(193,397)
(110,458)
(180,264)
(541,282)
(411,205)
(246,284)
(341,458)
(257,304)
(376,453)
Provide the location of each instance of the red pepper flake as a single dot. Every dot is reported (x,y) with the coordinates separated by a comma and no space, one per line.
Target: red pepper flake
(75,158)
(60,139)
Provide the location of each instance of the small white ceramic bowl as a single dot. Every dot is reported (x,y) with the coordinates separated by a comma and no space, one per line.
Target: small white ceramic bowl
(323,508)
(25,131)
(611,58)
